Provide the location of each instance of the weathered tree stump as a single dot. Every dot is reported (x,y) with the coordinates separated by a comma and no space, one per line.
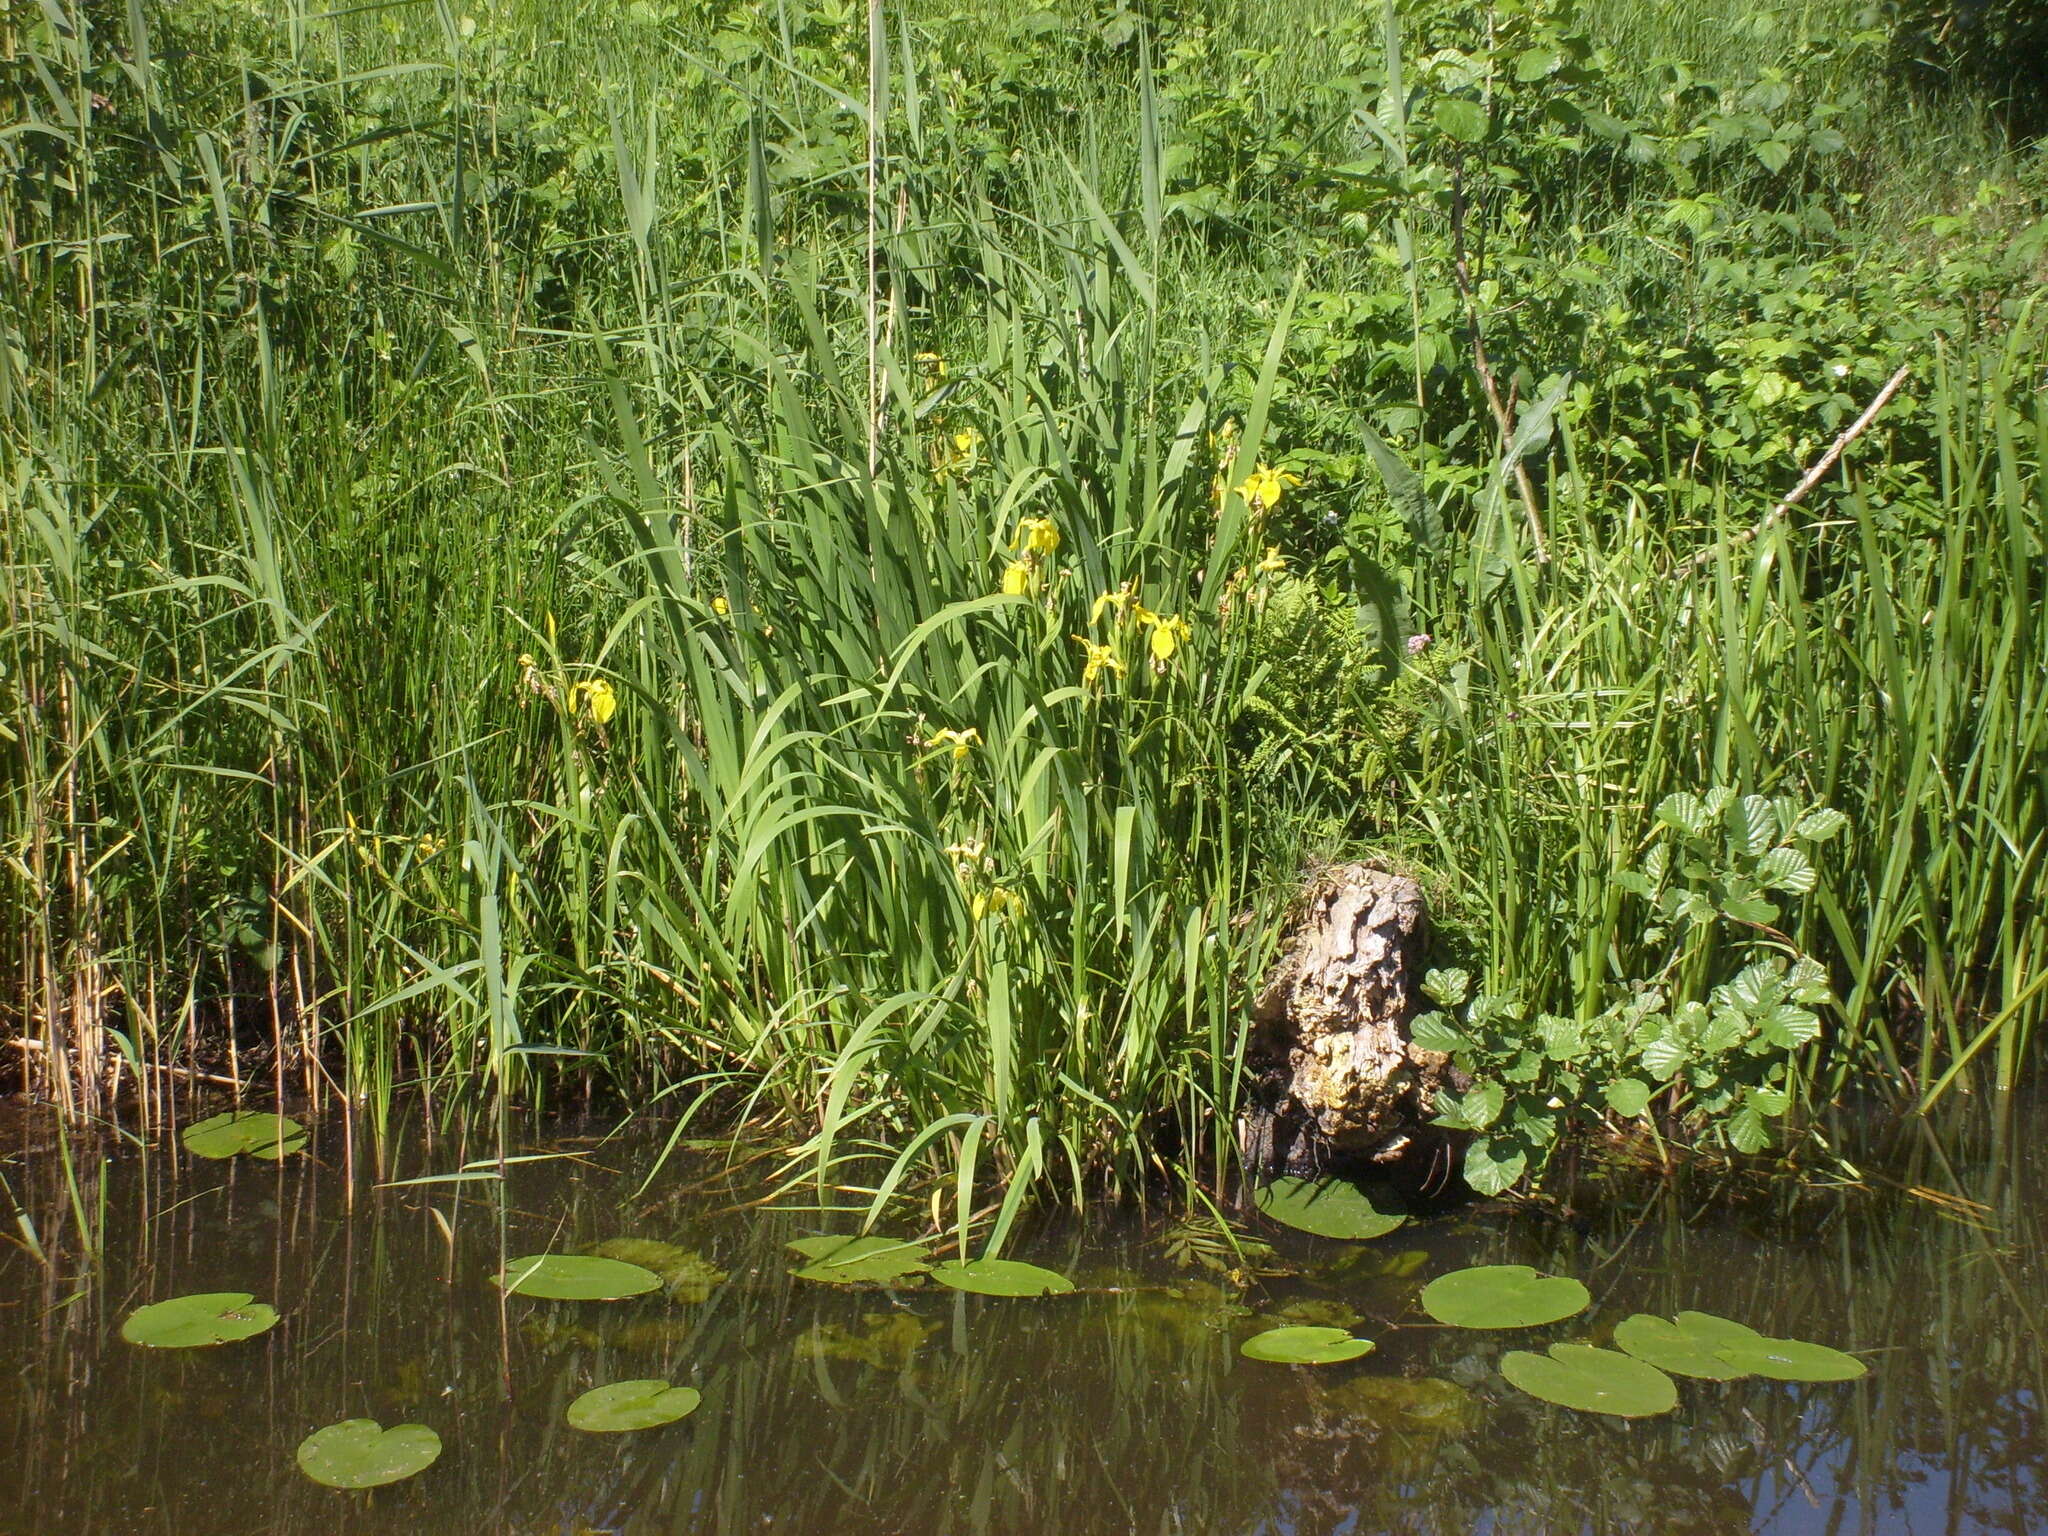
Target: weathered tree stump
(1336,1083)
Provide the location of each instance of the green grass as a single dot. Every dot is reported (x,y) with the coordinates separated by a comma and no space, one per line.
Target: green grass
(374,384)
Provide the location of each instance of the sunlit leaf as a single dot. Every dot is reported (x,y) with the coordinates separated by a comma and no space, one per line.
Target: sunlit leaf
(858,1260)
(1592,1380)
(359,1453)
(1000,1277)
(190,1322)
(575,1277)
(1326,1207)
(247,1132)
(1689,1346)
(627,1405)
(1304,1346)
(1503,1296)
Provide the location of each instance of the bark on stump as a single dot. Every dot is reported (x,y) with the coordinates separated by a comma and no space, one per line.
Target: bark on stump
(1336,1082)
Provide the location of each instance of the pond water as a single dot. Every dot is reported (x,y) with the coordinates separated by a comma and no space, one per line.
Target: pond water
(1125,1407)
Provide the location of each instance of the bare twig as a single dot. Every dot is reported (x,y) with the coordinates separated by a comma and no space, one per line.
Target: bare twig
(1820,469)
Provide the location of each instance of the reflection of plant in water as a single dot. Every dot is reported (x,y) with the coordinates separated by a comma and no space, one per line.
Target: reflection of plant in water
(887,1341)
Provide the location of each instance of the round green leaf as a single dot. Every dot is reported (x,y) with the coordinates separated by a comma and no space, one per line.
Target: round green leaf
(858,1260)
(1001,1277)
(1304,1346)
(575,1277)
(1326,1207)
(632,1405)
(187,1322)
(1503,1296)
(1592,1380)
(1793,1360)
(357,1453)
(1693,1345)
(1463,120)
(247,1131)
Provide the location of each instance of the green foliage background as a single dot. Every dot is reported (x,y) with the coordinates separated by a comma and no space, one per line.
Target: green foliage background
(378,384)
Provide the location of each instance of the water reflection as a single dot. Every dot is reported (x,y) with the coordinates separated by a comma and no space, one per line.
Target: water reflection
(1125,1409)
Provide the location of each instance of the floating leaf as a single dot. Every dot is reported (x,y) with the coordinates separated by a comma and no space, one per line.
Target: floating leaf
(684,1273)
(632,1405)
(1592,1380)
(1694,1345)
(1502,1296)
(858,1260)
(248,1131)
(1794,1360)
(187,1322)
(1304,1346)
(1326,1207)
(573,1277)
(359,1453)
(1001,1277)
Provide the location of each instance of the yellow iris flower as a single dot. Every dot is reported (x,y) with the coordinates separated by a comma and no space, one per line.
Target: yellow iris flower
(1169,634)
(595,698)
(1274,563)
(1019,577)
(1264,486)
(996,901)
(1099,659)
(1037,537)
(962,742)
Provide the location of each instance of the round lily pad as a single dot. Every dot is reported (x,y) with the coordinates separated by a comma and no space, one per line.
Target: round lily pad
(187,1322)
(1000,1277)
(1592,1380)
(1794,1360)
(250,1132)
(576,1277)
(1304,1346)
(858,1260)
(1694,1344)
(359,1453)
(1503,1296)
(1326,1207)
(632,1405)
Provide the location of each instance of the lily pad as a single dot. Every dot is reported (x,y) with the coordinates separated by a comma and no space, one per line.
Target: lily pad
(858,1260)
(1326,1207)
(1592,1380)
(1503,1296)
(245,1131)
(188,1322)
(685,1274)
(1304,1346)
(1794,1360)
(1695,1344)
(360,1453)
(632,1405)
(575,1277)
(1000,1277)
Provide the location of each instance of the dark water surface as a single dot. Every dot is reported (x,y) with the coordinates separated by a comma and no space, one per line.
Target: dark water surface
(1122,1409)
